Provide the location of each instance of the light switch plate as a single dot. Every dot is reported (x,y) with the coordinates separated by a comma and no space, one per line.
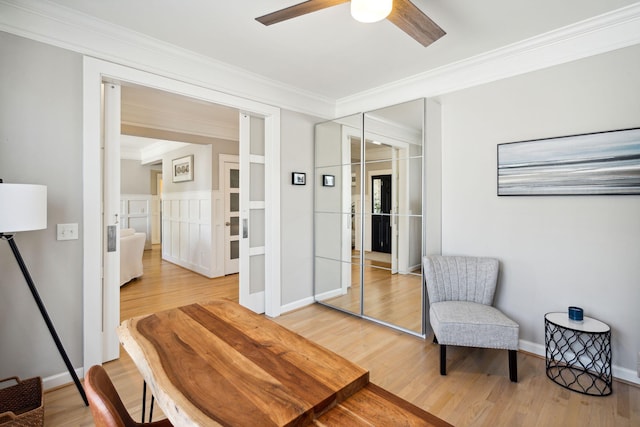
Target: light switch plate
(67,232)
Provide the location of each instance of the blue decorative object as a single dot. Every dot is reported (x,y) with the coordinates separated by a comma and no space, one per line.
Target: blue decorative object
(576,314)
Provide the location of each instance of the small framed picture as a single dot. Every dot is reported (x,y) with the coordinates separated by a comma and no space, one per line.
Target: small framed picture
(328,180)
(182,169)
(298,178)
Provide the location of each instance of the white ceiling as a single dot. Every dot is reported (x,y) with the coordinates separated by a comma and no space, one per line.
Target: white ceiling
(327,53)
(154,122)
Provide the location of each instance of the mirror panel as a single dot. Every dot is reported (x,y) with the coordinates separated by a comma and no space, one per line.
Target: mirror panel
(333,232)
(368,215)
(337,280)
(393,298)
(346,297)
(392,212)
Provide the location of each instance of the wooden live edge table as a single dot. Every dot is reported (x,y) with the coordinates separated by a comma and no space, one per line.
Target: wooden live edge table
(218,363)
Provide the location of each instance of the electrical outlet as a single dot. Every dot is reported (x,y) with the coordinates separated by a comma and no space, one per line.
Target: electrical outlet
(67,232)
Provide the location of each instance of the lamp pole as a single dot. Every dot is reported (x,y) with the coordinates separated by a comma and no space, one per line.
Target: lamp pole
(43,311)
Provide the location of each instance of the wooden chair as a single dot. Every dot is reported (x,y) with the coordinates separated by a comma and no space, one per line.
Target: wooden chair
(105,403)
(460,291)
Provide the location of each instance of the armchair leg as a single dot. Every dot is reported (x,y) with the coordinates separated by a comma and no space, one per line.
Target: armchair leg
(513,366)
(443,359)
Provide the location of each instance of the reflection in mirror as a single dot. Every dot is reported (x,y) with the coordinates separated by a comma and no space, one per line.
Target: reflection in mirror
(337,276)
(368,226)
(392,212)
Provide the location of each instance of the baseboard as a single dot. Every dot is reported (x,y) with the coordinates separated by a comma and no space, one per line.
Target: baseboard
(330,294)
(61,379)
(619,373)
(531,347)
(296,305)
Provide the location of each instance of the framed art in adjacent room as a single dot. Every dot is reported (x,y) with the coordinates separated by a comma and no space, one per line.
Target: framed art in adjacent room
(182,169)
(587,164)
(298,178)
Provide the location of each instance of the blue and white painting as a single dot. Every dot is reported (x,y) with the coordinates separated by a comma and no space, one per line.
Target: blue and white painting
(596,163)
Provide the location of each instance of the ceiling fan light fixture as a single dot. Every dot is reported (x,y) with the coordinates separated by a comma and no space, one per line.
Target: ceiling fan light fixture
(368,11)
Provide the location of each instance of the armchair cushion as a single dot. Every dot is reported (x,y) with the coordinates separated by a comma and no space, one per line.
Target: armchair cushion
(471,324)
(131,250)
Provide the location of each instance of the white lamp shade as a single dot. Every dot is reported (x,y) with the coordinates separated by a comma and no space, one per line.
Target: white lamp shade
(370,10)
(23,207)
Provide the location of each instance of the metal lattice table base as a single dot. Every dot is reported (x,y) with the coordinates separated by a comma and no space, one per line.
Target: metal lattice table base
(579,360)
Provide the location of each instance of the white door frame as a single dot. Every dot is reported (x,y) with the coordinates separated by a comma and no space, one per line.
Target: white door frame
(96,71)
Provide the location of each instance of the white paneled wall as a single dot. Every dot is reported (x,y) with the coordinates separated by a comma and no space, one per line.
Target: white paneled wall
(136,212)
(188,235)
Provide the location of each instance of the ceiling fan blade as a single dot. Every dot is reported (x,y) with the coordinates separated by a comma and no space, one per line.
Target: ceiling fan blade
(406,16)
(297,10)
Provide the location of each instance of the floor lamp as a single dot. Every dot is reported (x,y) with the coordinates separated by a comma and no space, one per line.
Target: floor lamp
(23,207)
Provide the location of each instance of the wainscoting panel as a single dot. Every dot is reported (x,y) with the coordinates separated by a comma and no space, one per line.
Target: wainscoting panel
(187,232)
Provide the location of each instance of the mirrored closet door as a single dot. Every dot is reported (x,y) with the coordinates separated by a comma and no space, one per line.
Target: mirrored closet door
(369,233)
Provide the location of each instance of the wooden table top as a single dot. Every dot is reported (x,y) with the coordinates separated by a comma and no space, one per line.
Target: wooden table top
(219,363)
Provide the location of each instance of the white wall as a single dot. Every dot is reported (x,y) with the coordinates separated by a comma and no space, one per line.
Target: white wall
(296,155)
(135,178)
(202,169)
(555,251)
(41,143)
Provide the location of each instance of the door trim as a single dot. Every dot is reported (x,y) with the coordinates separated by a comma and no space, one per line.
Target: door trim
(96,71)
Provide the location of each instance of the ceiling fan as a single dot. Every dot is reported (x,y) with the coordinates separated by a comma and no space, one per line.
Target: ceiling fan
(404,14)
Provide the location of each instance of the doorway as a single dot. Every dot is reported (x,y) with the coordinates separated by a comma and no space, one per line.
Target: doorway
(96,71)
(381,202)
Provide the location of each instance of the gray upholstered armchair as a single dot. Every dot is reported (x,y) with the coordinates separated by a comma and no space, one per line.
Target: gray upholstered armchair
(460,291)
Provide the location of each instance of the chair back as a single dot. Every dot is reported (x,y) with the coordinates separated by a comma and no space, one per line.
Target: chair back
(105,403)
(461,278)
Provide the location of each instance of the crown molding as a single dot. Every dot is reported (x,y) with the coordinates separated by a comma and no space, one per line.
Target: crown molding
(607,32)
(66,28)
(59,26)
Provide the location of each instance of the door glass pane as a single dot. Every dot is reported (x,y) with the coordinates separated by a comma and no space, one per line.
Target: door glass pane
(257,136)
(235,226)
(256,219)
(234,202)
(234,249)
(257,182)
(234,178)
(256,273)
(377,196)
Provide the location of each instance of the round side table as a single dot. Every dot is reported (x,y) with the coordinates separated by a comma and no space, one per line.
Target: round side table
(578,354)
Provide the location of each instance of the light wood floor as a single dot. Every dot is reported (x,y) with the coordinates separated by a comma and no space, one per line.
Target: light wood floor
(476,391)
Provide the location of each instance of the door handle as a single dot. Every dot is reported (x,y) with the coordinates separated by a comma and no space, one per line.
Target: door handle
(111,238)
(245,228)
(228,224)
